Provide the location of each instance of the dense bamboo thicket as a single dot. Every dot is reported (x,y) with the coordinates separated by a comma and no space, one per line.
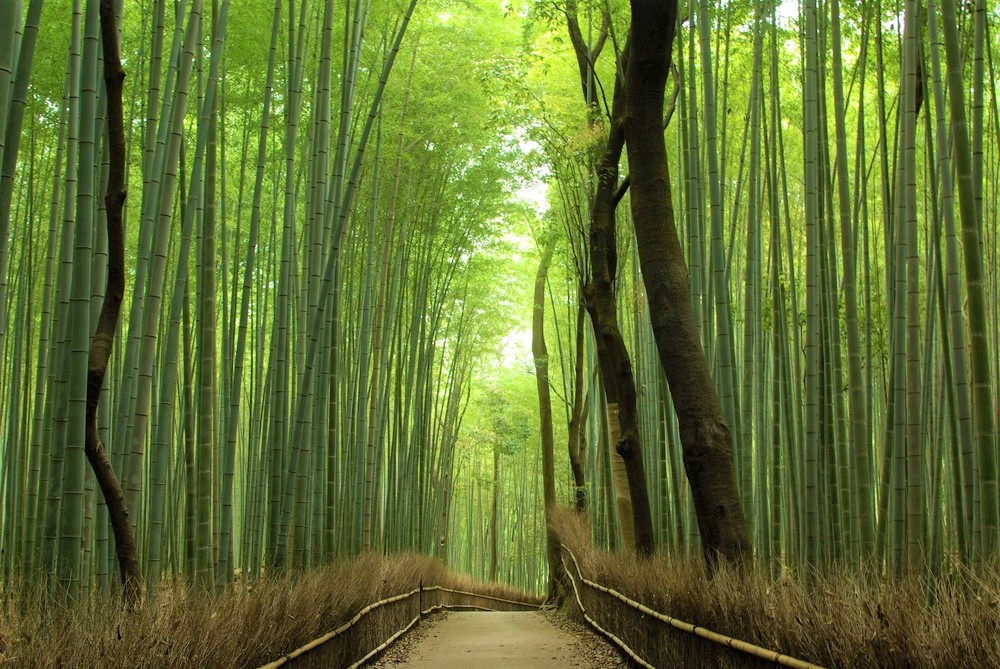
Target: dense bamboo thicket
(312,230)
(334,219)
(830,168)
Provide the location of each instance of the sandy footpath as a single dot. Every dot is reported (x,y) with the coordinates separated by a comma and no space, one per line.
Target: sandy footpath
(526,640)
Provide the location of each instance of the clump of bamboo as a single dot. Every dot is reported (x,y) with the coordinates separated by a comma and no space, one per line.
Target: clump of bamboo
(836,618)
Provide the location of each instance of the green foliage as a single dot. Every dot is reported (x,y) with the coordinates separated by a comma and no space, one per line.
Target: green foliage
(484,103)
(510,428)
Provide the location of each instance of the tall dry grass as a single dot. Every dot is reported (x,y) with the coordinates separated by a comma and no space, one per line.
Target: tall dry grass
(251,623)
(839,619)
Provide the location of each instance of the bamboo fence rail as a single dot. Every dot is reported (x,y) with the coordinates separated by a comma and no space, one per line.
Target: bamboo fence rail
(736,644)
(419,592)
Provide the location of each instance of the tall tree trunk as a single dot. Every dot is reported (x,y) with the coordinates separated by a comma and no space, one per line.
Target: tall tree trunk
(705,437)
(616,368)
(540,353)
(577,436)
(107,324)
(599,297)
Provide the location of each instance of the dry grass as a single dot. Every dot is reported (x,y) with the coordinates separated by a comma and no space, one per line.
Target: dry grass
(250,624)
(839,620)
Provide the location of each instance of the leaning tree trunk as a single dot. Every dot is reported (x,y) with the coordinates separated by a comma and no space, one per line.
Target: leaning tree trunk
(705,436)
(540,354)
(613,357)
(599,297)
(577,438)
(100,351)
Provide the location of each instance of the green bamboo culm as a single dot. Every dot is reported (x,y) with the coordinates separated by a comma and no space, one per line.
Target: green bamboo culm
(74,466)
(988,537)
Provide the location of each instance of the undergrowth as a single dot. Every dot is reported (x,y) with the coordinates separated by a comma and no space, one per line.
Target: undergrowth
(838,619)
(250,623)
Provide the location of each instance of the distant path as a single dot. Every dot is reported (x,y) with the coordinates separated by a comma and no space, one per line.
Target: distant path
(487,640)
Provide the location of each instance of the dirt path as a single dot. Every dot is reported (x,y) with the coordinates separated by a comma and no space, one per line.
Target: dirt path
(527,640)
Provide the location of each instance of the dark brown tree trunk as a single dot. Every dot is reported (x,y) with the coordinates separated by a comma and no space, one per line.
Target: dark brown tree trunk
(705,437)
(107,324)
(540,354)
(599,292)
(616,368)
(577,441)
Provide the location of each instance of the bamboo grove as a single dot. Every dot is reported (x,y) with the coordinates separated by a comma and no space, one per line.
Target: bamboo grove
(832,181)
(308,250)
(329,270)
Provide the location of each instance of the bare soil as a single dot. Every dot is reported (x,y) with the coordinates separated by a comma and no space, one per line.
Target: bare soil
(526,640)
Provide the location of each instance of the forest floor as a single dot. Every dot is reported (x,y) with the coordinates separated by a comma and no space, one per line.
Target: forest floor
(526,640)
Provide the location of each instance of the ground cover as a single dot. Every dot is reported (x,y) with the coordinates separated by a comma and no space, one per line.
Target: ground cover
(250,623)
(845,618)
